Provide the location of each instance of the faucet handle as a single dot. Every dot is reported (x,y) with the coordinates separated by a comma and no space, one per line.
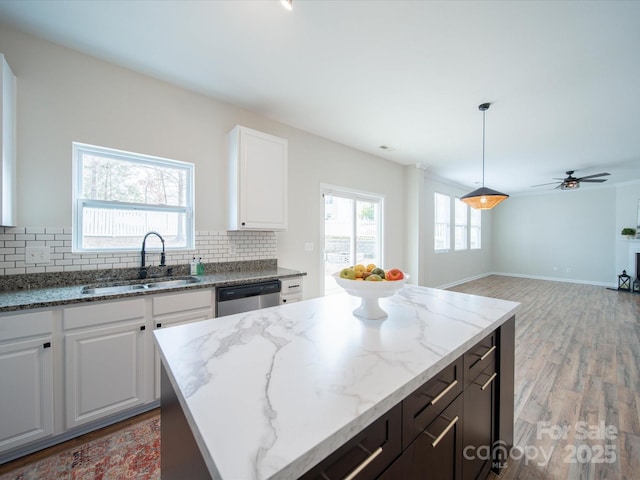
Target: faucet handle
(142,273)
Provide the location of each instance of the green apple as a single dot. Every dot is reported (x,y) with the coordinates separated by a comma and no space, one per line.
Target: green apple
(379,272)
(348,273)
(374,277)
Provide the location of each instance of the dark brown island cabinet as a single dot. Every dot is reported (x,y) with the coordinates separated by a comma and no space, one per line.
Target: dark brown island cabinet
(457,426)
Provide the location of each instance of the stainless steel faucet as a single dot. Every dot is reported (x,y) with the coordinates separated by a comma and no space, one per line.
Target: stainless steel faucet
(143,269)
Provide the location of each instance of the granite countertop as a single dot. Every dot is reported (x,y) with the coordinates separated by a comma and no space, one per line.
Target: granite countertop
(270,393)
(49,297)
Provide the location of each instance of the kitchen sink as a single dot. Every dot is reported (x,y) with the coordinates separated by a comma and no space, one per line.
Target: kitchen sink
(113,289)
(150,285)
(179,282)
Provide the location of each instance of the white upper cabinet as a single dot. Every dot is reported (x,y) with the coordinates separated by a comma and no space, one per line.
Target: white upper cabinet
(7,144)
(257,180)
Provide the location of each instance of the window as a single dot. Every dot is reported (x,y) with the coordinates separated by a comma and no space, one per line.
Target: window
(352,232)
(475,231)
(460,232)
(119,196)
(442,222)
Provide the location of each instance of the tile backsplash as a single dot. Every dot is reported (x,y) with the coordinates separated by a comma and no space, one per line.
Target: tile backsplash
(213,247)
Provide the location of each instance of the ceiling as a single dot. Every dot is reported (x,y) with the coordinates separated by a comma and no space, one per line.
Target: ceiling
(563,77)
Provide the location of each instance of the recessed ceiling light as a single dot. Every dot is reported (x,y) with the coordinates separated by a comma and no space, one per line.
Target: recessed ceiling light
(288,4)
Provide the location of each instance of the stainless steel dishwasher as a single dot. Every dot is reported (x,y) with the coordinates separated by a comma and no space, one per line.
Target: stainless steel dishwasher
(246,297)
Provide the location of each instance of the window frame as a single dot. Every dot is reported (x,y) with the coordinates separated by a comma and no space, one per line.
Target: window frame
(457,203)
(79,202)
(478,214)
(436,222)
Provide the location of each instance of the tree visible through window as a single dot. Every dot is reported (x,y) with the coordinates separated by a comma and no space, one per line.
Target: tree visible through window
(120,196)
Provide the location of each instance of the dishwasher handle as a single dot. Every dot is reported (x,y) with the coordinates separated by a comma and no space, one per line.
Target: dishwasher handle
(247,290)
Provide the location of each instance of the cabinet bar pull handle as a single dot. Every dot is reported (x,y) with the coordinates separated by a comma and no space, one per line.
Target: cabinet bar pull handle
(46,345)
(488,353)
(158,325)
(444,432)
(488,382)
(444,392)
(364,464)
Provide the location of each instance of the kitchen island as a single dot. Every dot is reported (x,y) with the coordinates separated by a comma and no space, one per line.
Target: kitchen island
(271,393)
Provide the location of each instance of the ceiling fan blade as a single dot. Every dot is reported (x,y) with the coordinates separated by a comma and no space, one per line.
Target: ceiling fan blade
(599,180)
(593,176)
(543,184)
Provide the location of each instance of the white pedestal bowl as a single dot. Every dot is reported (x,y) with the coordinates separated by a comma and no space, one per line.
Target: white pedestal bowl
(369,293)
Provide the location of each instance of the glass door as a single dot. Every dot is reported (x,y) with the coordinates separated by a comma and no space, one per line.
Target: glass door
(352,233)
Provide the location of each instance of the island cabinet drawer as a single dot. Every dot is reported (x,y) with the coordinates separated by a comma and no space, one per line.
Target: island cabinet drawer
(421,407)
(480,357)
(366,455)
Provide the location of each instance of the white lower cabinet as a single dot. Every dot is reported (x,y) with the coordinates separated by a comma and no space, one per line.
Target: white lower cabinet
(26,370)
(291,290)
(104,364)
(67,369)
(175,309)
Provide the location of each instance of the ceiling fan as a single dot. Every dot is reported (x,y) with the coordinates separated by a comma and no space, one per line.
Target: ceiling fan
(571,182)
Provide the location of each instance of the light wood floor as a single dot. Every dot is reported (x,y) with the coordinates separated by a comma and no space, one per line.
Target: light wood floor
(577,370)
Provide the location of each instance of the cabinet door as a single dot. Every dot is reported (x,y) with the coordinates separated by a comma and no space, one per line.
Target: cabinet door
(104,371)
(257,180)
(479,425)
(437,453)
(26,396)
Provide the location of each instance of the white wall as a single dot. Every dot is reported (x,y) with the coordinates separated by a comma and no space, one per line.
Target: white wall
(564,235)
(66,96)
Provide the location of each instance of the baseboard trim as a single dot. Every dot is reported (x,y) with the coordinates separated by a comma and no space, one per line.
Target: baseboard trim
(555,279)
(464,280)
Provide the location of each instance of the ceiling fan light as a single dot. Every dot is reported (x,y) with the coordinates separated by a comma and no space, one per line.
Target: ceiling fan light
(570,185)
(484,198)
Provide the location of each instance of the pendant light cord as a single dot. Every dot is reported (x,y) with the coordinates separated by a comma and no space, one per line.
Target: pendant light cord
(484,113)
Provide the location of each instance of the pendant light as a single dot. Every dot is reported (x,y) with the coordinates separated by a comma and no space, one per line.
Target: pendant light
(484,198)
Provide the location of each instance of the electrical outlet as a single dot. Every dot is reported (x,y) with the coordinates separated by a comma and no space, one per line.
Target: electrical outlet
(37,255)
(308,246)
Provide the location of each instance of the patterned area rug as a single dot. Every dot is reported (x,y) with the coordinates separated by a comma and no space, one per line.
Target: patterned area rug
(131,453)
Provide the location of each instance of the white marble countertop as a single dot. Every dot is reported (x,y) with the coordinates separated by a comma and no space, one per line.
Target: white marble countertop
(270,393)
